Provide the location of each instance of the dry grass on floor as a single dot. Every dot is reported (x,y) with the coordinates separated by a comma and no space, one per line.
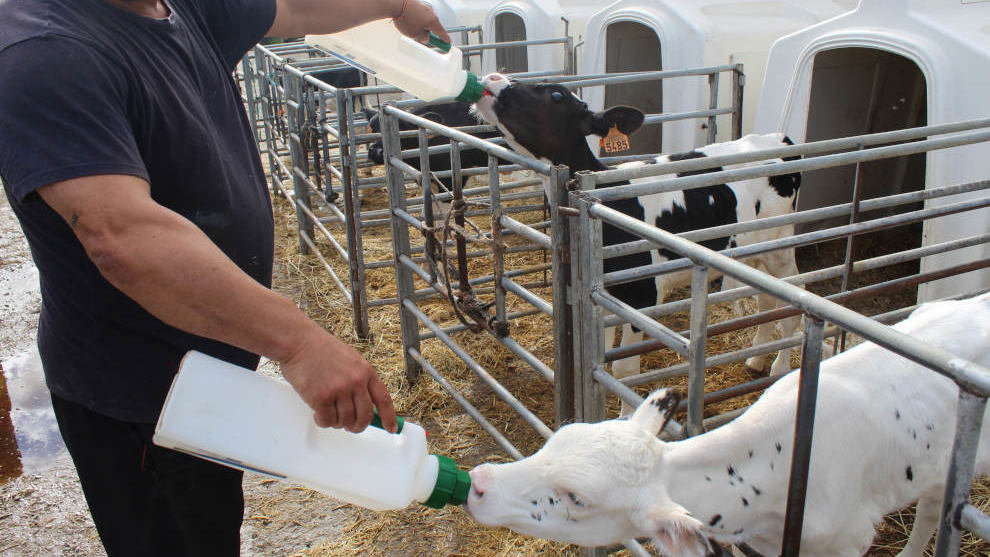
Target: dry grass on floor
(893,532)
(420,531)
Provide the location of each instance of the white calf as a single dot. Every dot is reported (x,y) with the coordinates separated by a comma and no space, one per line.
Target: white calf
(883,435)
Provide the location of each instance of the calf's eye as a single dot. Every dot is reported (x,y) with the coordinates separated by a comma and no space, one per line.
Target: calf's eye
(557,96)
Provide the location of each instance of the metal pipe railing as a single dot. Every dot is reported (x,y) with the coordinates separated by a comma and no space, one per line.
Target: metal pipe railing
(812,277)
(970,376)
(800,150)
(464,403)
(470,140)
(777,168)
(481,372)
(629,275)
(802,217)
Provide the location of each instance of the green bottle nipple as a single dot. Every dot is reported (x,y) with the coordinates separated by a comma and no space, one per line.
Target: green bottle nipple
(452,487)
(473,90)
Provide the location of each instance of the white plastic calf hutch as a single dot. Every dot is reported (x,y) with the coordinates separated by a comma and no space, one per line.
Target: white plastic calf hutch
(457,14)
(891,64)
(467,13)
(513,20)
(636,35)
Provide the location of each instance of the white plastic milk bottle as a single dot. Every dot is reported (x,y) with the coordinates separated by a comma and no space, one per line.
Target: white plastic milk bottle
(239,418)
(380,50)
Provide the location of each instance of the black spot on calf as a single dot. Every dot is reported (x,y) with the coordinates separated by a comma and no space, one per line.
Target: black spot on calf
(745,502)
(731,470)
(756,490)
(897,414)
(640,293)
(448,114)
(703,208)
(786,185)
(714,520)
(688,155)
(910,474)
(757,207)
(778,446)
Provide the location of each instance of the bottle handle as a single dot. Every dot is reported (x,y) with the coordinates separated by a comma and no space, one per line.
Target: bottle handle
(376,421)
(437,42)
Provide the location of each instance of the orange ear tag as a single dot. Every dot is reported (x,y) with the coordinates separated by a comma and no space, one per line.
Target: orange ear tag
(615,141)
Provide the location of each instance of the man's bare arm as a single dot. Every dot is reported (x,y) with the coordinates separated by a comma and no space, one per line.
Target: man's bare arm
(171,268)
(294,18)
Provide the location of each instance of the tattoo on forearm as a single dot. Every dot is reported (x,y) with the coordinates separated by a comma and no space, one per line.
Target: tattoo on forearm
(73,220)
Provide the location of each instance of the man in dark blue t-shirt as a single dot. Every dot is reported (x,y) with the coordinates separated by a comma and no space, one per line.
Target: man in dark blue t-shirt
(128,159)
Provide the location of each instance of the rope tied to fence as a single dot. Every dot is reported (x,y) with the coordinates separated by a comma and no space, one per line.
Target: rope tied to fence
(470,311)
(309,139)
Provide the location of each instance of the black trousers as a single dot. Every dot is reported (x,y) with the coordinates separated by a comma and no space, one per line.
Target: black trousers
(147,500)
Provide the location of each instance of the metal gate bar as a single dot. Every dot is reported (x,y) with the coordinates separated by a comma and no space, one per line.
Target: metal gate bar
(812,277)
(790,311)
(619,277)
(802,217)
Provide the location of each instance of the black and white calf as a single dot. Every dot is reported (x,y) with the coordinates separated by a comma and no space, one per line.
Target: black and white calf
(451,114)
(884,429)
(342,78)
(548,122)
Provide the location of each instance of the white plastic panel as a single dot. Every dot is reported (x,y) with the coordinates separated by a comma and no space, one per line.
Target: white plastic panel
(541,21)
(946,41)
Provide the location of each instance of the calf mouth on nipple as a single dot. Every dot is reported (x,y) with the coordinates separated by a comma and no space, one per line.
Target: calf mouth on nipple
(493,85)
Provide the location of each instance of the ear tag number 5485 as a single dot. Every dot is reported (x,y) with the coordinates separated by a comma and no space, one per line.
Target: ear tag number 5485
(615,141)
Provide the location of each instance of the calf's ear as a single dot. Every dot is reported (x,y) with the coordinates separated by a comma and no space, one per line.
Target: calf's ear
(625,118)
(435,117)
(673,529)
(654,412)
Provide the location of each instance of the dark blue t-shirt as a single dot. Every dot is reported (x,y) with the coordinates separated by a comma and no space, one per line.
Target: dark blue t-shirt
(87,88)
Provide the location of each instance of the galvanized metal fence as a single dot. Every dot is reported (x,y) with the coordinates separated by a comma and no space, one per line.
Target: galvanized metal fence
(417,212)
(312,136)
(353,138)
(324,137)
(590,300)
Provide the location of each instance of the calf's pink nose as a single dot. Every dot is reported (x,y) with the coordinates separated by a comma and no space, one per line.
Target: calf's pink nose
(480,479)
